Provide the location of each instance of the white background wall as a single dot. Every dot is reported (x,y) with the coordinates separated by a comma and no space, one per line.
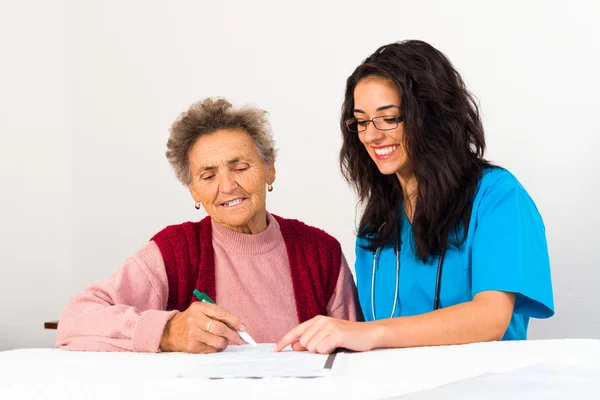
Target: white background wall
(35,156)
(88,90)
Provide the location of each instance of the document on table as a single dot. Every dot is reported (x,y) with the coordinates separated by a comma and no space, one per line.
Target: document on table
(246,361)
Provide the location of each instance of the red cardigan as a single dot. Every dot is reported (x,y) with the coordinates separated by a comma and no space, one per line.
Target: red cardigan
(314,258)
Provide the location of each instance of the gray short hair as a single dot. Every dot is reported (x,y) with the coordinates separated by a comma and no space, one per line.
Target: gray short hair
(208,116)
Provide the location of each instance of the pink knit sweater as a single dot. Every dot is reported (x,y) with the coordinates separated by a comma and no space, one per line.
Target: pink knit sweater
(126,312)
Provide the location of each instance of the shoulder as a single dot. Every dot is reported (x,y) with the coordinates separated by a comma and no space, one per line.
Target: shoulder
(500,192)
(499,178)
(305,231)
(184,229)
(497,183)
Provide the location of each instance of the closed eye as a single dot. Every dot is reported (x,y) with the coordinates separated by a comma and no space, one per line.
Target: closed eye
(241,167)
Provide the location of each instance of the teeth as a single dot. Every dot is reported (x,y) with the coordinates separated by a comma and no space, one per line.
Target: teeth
(232,203)
(384,151)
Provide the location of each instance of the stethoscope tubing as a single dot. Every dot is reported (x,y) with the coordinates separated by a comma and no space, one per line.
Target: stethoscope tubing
(438,279)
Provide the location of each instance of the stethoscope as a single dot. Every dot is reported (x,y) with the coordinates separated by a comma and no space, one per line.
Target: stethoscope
(377,252)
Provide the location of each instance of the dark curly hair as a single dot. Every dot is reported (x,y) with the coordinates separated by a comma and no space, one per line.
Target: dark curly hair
(443,138)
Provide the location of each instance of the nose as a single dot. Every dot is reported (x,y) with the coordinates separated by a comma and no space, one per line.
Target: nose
(372,134)
(227,183)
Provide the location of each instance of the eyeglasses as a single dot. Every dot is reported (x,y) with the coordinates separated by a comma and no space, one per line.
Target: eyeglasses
(384,123)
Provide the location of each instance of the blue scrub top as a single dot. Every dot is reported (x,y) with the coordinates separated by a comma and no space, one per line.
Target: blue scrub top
(505,250)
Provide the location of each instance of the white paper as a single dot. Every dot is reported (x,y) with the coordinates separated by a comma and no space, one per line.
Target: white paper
(248,362)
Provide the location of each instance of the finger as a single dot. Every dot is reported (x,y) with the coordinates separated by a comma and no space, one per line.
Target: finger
(315,340)
(218,328)
(216,312)
(327,345)
(207,338)
(318,326)
(196,342)
(196,347)
(296,346)
(293,335)
(200,317)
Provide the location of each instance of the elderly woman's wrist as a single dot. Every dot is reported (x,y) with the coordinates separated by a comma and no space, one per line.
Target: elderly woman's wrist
(166,342)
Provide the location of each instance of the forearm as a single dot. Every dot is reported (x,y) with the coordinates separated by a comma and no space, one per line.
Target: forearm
(124,312)
(94,326)
(480,320)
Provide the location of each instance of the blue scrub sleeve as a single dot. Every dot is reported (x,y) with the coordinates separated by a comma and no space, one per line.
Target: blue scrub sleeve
(510,252)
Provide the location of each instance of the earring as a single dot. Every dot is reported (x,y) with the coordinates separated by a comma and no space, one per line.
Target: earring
(270,188)
(197,206)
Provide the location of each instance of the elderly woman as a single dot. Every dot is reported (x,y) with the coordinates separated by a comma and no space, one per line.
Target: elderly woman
(266,273)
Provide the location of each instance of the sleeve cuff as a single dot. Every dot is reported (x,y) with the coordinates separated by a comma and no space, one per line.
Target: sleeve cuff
(149,329)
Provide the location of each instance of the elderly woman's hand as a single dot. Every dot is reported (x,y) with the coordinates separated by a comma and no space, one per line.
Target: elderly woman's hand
(202,328)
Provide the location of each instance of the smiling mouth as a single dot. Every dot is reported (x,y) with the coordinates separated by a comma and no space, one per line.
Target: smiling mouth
(232,203)
(384,152)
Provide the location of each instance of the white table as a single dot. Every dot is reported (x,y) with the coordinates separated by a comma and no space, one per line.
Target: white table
(51,373)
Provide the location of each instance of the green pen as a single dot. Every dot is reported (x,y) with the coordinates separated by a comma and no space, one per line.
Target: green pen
(204,297)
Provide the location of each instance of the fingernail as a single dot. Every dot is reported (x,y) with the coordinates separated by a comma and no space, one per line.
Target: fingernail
(243,328)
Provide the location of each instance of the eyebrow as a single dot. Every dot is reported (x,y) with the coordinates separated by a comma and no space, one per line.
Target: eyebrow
(382,108)
(205,168)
